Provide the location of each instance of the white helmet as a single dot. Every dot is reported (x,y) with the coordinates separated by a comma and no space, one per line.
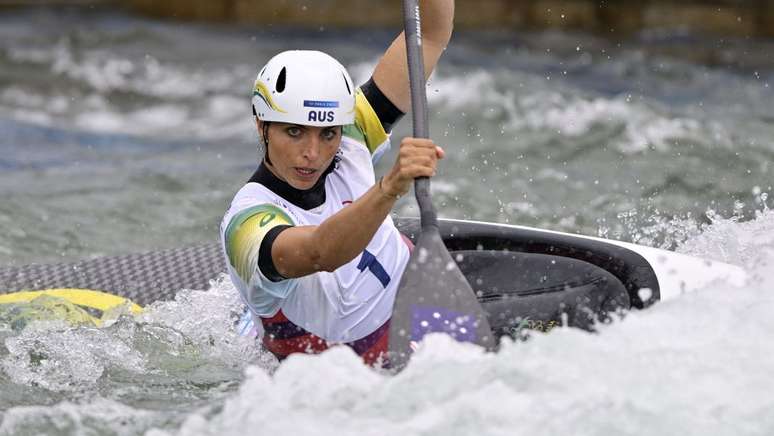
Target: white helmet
(304,87)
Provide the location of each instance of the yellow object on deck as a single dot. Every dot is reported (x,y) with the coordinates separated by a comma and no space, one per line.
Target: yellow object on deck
(82,298)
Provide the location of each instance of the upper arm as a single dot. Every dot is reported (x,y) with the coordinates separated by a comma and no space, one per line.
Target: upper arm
(254,246)
(245,233)
(296,253)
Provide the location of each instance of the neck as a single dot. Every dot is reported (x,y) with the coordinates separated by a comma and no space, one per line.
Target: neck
(303,198)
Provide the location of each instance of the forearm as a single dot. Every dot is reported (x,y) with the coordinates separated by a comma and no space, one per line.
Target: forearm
(345,235)
(300,251)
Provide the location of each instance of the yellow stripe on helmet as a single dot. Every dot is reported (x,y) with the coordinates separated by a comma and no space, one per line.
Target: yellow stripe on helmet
(262,91)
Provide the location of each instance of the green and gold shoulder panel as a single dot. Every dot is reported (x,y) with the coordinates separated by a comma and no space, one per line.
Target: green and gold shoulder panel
(245,232)
(367,128)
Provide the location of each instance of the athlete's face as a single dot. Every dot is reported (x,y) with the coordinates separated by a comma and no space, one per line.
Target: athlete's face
(300,154)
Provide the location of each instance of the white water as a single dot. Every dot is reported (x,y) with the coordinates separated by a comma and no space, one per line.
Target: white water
(623,143)
(700,364)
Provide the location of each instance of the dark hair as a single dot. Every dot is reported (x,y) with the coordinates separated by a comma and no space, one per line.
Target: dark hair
(265,137)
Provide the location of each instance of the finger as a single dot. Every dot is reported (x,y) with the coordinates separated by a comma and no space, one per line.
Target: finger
(417,142)
(421,171)
(418,153)
(420,160)
(439,152)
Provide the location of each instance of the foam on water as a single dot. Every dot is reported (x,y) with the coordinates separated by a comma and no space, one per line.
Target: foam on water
(740,243)
(694,365)
(129,375)
(213,334)
(60,357)
(119,91)
(97,417)
(171,92)
(571,143)
(561,109)
(528,133)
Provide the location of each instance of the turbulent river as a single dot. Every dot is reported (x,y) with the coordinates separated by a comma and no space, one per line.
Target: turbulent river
(120,134)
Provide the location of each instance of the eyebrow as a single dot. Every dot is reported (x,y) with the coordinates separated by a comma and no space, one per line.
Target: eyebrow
(303,127)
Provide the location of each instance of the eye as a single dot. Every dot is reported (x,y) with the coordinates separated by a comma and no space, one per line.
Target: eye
(329,134)
(293,131)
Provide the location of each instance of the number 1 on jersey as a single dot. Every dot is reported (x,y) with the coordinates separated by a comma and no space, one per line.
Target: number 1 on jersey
(369,261)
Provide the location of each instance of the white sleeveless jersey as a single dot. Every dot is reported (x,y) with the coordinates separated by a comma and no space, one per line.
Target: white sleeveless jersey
(340,306)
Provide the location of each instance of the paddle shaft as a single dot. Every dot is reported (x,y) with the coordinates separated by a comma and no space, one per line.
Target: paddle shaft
(416,67)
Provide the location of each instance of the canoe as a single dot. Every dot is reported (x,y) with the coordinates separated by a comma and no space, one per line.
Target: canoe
(523,277)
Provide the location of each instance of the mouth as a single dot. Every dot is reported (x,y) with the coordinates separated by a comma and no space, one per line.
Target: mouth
(305,173)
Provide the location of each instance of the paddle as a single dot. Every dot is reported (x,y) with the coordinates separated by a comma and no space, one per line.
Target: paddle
(433,295)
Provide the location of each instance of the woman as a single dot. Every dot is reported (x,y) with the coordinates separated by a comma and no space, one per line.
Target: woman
(308,240)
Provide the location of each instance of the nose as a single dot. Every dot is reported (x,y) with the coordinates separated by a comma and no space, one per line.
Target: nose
(312,149)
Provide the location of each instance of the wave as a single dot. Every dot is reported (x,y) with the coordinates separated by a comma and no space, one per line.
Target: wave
(681,361)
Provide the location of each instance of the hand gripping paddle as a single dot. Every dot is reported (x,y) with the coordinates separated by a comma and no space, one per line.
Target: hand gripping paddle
(433,295)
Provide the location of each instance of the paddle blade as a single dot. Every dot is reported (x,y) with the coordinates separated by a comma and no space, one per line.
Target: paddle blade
(434,296)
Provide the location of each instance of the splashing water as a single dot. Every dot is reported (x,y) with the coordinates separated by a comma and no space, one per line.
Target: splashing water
(676,368)
(142,142)
(130,374)
(680,367)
